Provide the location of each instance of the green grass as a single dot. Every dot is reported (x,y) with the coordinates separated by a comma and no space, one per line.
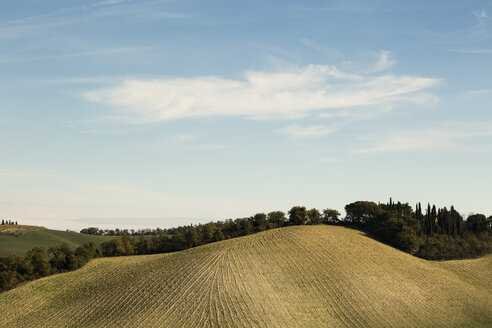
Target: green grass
(309,276)
(23,238)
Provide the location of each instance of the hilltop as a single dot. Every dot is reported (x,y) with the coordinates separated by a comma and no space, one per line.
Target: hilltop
(21,238)
(301,276)
(14,229)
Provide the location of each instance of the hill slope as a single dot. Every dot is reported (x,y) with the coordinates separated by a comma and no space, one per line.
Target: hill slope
(310,276)
(20,239)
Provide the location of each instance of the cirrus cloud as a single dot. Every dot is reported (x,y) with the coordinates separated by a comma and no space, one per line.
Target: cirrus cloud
(462,135)
(260,95)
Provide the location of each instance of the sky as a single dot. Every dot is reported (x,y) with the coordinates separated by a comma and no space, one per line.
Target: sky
(137,114)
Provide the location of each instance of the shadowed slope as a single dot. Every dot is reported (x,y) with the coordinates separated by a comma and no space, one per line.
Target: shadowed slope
(310,276)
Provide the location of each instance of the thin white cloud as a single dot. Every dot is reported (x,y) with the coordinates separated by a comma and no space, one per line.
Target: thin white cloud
(261,95)
(322,49)
(384,62)
(477,93)
(450,136)
(470,40)
(481,26)
(128,11)
(100,52)
(307,131)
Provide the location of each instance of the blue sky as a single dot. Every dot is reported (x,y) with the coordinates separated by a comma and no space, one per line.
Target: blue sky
(162,113)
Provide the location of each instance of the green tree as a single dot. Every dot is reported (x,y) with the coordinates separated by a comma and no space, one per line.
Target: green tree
(330,216)
(63,258)
(407,240)
(86,252)
(276,219)
(113,247)
(129,244)
(218,235)
(37,258)
(477,223)
(260,222)
(192,238)
(298,215)
(362,212)
(314,216)
(245,226)
(90,231)
(145,245)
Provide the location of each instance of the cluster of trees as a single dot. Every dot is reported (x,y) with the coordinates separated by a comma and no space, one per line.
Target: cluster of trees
(184,237)
(8,222)
(40,262)
(438,234)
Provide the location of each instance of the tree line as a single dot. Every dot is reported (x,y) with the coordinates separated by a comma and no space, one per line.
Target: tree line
(8,222)
(184,237)
(40,262)
(436,234)
(439,233)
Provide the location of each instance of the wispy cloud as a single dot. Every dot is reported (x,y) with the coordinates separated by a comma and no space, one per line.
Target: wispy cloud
(129,11)
(448,137)
(384,62)
(100,52)
(323,49)
(477,93)
(261,95)
(482,22)
(470,40)
(307,131)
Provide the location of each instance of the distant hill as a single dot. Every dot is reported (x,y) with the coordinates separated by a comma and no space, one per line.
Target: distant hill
(302,276)
(21,238)
(11,229)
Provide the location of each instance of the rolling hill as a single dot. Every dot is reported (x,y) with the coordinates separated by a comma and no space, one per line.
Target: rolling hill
(302,276)
(20,239)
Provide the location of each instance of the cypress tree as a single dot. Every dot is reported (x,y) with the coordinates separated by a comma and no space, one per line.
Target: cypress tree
(429,220)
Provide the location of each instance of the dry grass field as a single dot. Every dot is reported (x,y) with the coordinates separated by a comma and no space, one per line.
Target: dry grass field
(309,276)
